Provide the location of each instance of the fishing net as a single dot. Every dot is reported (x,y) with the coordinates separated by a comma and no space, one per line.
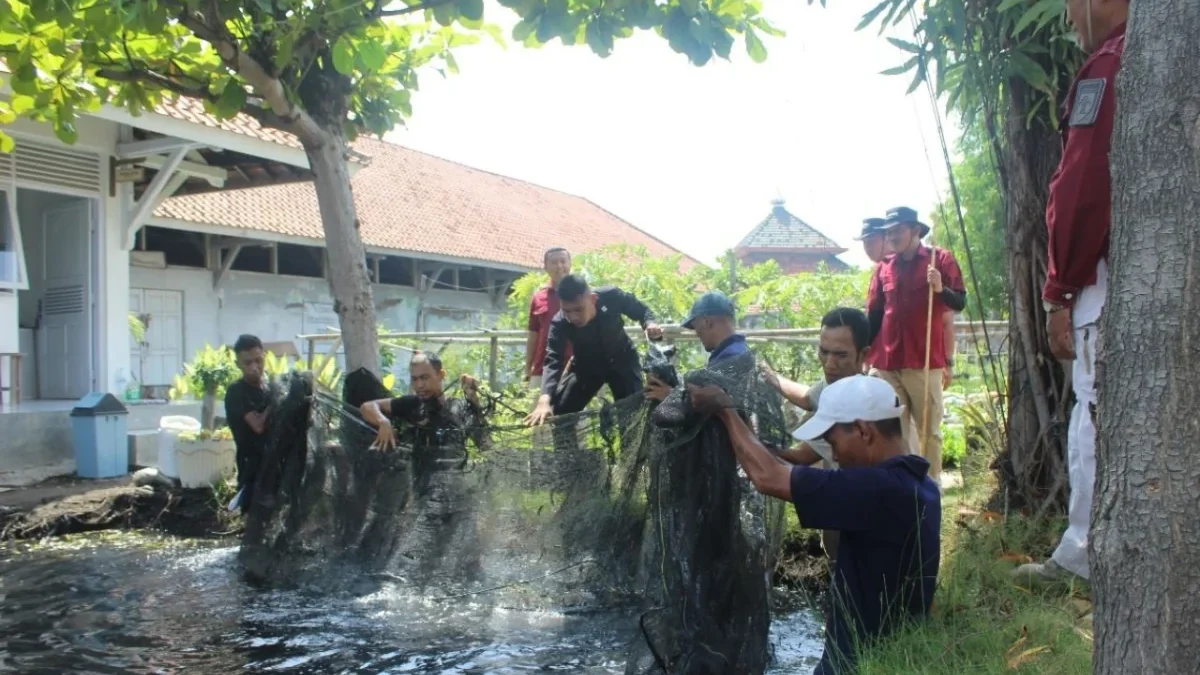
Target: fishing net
(625,505)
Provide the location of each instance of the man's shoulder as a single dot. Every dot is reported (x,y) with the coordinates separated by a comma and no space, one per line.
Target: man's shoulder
(607,291)
(236,390)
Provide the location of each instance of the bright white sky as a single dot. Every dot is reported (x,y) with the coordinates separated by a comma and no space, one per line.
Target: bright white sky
(695,155)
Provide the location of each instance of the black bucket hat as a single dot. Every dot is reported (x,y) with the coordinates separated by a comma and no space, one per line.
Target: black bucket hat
(902,215)
(870,227)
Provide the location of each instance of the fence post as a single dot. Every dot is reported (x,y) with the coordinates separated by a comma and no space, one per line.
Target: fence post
(312,352)
(493,356)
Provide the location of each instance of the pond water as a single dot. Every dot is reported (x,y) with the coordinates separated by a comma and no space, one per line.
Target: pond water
(122,603)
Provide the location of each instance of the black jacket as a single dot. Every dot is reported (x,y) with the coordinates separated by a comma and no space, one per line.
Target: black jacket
(599,346)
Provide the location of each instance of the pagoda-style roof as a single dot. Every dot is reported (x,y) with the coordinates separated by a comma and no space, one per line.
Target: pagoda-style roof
(783,231)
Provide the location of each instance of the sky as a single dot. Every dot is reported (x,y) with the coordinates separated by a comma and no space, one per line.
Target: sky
(692,155)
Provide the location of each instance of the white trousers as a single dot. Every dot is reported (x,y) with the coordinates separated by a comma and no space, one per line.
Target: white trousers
(1071,553)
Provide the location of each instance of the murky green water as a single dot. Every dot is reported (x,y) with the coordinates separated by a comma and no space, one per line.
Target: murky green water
(132,604)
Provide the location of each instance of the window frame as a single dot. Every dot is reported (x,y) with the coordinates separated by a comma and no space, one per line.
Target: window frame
(22,282)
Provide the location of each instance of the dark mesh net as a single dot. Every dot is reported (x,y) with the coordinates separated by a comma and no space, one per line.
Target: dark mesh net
(623,505)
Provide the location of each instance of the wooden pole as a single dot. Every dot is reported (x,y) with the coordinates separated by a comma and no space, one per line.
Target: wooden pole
(928,339)
(493,356)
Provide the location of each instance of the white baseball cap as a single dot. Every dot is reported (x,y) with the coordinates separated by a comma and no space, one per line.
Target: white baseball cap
(849,400)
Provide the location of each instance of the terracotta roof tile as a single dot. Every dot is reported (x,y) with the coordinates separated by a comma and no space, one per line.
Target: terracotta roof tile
(413,202)
(192,110)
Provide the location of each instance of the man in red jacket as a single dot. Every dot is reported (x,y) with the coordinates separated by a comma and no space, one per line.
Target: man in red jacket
(900,323)
(1078,216)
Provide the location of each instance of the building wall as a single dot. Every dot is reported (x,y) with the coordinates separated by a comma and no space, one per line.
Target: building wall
(278,308)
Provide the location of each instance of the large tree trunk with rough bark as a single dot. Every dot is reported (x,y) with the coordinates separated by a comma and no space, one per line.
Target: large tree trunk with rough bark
(348,280)
(1033,469)
(1145,547)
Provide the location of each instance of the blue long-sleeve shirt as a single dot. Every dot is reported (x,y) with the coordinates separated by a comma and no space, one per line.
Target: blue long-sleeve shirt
(889,516)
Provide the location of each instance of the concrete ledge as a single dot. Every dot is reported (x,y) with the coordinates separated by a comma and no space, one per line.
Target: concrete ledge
(143,447)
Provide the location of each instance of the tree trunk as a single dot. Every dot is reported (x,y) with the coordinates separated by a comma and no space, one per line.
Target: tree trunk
(1145,550)
(1033,470)
(208,409)
(348,280)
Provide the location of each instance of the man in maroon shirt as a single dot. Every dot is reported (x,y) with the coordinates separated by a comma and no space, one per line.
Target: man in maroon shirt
(1078,217)
(899,313)
(542,309)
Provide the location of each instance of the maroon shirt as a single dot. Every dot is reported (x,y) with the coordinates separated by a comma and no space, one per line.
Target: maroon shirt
(544,306)
(872,288)
(903,295)
(1079,211)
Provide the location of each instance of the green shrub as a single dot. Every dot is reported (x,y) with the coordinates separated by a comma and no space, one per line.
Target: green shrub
(954,446)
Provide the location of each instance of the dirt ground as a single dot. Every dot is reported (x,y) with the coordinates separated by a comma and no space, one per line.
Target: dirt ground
(68,505)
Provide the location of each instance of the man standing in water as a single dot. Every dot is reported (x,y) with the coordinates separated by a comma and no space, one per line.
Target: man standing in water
(592,325)
(246,404)
(882,501)
(426,410)
(1078,216)
(900,319)
(542,309)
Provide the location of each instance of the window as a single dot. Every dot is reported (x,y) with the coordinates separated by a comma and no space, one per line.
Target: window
(13,274)
(472,279)
(180,249)
(298,261)
(250,259)
(395,271)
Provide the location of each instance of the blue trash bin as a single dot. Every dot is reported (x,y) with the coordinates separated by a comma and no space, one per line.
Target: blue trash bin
(99,428)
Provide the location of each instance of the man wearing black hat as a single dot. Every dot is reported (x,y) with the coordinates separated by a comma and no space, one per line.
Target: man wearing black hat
(902,324)
(713,320)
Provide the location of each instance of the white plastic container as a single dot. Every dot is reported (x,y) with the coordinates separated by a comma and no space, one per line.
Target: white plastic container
(169,428)
(201,463)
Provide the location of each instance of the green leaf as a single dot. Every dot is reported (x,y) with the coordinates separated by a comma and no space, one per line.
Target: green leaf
(870,16)
(909,47)
(445,14)
(343,55)
(371,55)
(903,68)
(1037,13)
(233,98)
(599,38)
(1009,4)
(755,48)
(690,7)
(918,78)
(471,9)
(6,143)
(22,104)
(66,131)
(523,30)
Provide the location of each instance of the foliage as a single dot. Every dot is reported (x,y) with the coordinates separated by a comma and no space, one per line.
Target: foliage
(219,434)
(983,215)
(350,63)
(954,446)
(211,371)
(137,328)
(981,622)
(330,377)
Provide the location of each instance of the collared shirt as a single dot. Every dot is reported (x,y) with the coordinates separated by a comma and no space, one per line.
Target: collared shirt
(601,345)
(542,309)
(734,345)
(889,516)
(903,295)
(1079,210)
(872,287)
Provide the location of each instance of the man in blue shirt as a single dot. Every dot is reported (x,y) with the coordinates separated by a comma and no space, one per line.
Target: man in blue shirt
(882,501)
(713,320)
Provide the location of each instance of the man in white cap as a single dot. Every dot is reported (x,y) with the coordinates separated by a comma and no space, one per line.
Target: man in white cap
(882,500)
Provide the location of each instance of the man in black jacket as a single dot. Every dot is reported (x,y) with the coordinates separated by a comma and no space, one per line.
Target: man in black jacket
(592,323)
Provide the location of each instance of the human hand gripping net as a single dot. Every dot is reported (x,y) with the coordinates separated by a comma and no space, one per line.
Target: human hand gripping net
(625,506)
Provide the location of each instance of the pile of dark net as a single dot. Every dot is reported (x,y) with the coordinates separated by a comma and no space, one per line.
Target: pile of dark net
(628,505)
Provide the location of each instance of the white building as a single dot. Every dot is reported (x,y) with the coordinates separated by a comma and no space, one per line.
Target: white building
(210,229)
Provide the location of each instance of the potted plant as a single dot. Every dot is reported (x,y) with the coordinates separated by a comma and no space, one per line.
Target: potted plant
(213,369)
(205,456)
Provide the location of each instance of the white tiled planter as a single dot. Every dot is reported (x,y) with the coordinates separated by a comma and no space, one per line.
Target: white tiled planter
(201,463)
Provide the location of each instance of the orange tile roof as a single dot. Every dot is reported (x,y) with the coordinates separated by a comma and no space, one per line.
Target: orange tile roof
(414,202)
(192,110)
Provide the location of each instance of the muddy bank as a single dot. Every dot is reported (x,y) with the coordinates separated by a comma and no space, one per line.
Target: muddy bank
(803,566)
(174,511)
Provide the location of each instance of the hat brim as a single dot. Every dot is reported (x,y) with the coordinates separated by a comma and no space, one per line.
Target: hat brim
(816,427)
(876,233)
(924,228)
(689,322)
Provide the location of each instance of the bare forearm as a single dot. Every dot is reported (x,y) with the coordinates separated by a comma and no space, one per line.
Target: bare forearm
(794,393)
(373,414)
(803,455)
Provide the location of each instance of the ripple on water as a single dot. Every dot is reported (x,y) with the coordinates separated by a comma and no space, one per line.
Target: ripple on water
(143,604)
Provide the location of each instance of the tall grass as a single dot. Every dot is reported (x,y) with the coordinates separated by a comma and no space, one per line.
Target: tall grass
(981,622)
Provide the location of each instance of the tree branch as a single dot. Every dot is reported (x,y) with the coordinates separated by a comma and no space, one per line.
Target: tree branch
(289,117)
(411,9)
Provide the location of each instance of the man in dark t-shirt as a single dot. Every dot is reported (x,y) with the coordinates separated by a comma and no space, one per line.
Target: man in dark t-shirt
(882,500)
(246,404)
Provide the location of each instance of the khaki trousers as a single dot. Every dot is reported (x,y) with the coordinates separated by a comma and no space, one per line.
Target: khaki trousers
(910,388)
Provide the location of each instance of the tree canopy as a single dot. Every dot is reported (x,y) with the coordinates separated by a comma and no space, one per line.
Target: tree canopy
(294,64)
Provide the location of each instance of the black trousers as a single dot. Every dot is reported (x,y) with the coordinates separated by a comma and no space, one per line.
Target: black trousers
(579,388)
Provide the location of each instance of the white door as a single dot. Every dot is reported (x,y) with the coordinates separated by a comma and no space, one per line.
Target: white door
(161,358)
(64,336)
